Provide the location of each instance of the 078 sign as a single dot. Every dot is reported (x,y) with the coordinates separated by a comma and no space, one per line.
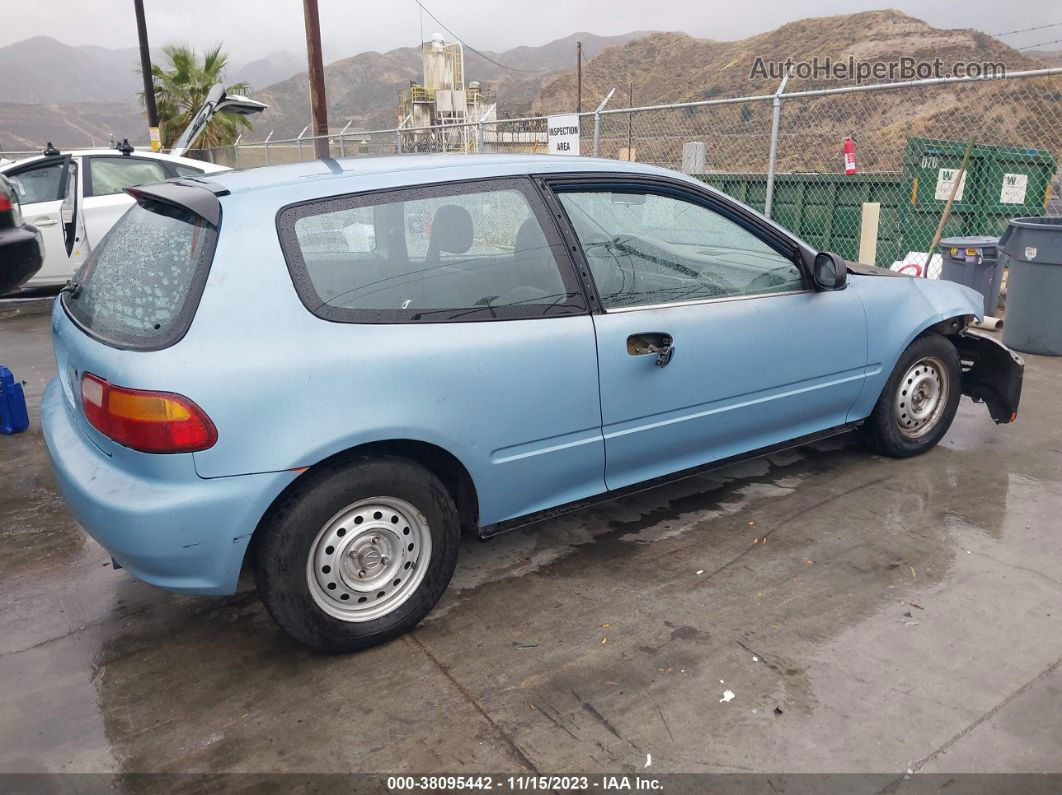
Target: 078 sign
(563,134)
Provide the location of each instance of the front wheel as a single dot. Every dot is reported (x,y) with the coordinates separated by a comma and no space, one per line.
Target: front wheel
(919,401)
(358,553)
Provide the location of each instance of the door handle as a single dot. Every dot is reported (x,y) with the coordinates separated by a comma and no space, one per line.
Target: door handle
(652,342)
(44,222)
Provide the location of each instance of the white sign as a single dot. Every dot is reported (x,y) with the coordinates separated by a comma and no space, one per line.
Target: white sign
(1030,252)
(1014,187)
(563,134)
(945,179)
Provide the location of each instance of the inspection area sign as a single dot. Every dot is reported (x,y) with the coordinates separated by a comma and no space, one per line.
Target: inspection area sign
(563,134)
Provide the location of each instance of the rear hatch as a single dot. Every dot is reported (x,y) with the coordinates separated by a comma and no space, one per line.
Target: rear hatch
(136,295)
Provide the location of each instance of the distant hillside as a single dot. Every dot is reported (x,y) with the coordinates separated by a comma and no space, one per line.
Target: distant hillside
(43,70)
(674,67)
(364,89)
(29,127)
(72,95)
(1046,57)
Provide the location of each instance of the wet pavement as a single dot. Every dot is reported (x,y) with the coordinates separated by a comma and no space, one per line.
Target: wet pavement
(867,614)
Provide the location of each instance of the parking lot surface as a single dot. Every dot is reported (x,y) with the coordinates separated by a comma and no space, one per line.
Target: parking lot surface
(865,614)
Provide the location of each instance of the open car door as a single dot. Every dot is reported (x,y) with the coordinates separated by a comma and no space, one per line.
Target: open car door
(42,185)
(217,101)
(72,218)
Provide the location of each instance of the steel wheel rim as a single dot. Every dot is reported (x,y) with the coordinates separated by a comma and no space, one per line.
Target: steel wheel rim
(922,397)
(368,559)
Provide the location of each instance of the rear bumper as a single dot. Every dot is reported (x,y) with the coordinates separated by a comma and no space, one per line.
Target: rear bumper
(21,255)
(187,535)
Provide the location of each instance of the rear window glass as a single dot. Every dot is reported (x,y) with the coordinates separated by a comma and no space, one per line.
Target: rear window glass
(141,284)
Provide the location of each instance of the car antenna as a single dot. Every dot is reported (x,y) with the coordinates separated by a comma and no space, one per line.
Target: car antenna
(125,147)
(49,150)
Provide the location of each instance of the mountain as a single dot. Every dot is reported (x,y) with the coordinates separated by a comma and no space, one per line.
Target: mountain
(364,89)
(73,95)
(273,68)
(43,70)
(674,67)
(1048,58)
(26,127)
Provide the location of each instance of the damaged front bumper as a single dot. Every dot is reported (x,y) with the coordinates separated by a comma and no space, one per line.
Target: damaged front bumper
(991,373)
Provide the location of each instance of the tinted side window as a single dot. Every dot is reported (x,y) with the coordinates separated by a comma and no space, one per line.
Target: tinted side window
(646,248)
(111,175)
(479,251)
(186,171)
(39,184)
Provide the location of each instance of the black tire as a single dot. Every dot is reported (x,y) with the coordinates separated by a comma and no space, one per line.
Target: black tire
(290,534)
(882,430)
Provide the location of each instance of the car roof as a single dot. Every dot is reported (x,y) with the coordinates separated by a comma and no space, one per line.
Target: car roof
(368,172)
(102,152)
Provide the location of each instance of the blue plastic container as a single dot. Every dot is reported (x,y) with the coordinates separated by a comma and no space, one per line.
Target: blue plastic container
(13,415)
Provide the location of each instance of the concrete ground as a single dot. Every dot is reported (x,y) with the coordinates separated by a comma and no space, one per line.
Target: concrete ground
(867,614)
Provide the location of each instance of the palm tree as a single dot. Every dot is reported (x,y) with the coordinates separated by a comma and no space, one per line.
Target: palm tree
(182,88)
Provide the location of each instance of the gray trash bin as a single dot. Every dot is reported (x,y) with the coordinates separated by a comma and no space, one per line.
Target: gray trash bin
(1032,249)
(973,261)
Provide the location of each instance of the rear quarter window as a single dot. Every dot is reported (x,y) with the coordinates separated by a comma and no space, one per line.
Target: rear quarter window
(141,285)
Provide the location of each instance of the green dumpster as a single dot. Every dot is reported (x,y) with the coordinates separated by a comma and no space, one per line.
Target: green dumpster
(823,209)
(1002,182)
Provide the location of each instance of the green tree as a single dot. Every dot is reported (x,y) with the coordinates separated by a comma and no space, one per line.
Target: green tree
(181,87)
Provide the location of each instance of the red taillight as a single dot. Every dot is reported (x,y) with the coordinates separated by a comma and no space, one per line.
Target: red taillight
(5,204)
(151,422)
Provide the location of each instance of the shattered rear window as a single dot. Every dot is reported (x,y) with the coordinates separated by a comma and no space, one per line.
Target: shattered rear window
(141,284)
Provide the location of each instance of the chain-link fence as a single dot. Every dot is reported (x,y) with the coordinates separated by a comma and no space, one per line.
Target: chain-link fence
(782,154)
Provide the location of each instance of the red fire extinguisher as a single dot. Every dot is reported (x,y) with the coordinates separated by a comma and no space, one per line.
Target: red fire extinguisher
(849,155)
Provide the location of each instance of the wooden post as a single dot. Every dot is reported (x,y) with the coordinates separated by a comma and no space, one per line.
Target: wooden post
(318,102)
(947,207)
(578,77)
(868,233)
(149,81)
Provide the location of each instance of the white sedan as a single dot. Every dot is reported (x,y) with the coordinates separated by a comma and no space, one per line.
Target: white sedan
(74,198)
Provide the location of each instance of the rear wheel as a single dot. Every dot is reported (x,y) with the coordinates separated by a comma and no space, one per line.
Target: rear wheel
(358,553)
(919,402)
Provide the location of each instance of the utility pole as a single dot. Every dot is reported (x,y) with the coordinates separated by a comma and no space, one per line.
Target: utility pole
(149,82)
(578,77)
(318,103)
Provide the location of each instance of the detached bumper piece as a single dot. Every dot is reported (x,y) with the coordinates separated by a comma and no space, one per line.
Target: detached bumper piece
(991,374)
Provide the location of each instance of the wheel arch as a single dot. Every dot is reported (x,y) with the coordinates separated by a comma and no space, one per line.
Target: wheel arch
(949,324)
(440,462)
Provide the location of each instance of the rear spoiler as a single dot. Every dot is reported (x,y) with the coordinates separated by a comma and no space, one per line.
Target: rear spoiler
(198,196)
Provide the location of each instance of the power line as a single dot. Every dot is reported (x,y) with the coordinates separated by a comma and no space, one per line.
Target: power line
(1026,30)
(465,43)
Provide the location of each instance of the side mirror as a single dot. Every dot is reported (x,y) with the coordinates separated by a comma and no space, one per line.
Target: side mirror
(829,271)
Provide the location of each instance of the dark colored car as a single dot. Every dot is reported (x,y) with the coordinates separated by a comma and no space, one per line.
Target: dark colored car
(21,247)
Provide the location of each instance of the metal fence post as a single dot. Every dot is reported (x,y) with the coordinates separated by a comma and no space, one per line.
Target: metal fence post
(298,140)
(342,150)
(398,140)
(776,114)
(597,122)
(267,146)
(479,136)
(236,150)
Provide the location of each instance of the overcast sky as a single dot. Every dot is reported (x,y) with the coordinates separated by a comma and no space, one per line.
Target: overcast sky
(252,28)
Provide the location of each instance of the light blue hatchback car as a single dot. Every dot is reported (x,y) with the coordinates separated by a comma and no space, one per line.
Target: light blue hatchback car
(329,369)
